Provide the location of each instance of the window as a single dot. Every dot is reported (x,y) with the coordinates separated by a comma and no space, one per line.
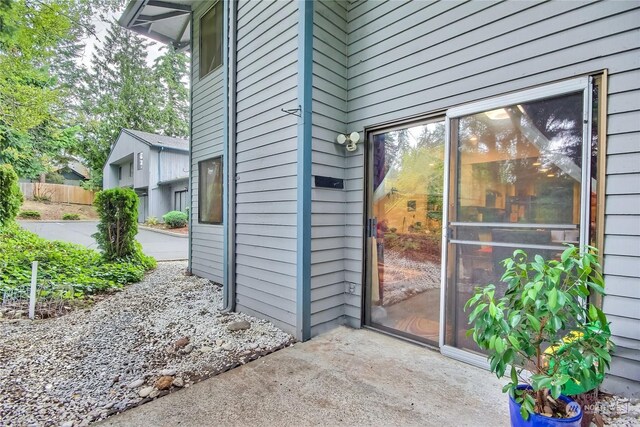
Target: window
(210,191)
(180,200)
(140,161)
(119,172)
(131,170)
(211,39)
(519,178)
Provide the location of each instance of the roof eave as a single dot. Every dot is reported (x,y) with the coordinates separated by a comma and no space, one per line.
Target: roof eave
(131,19)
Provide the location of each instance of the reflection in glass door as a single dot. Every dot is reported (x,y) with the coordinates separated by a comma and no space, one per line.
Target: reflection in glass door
(518,177)
(405,230)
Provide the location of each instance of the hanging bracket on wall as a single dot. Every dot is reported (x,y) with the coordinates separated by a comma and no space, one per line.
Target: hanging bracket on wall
(293,111)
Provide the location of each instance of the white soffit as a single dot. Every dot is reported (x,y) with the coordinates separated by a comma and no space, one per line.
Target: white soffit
(167,21)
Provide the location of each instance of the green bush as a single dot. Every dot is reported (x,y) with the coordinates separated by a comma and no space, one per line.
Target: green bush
(66,265)
(10,195)
(175,219)
(70,217)
(29,214)
(118,226)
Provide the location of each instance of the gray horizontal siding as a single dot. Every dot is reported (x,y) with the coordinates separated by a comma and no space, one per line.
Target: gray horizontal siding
(622,231)
(266,159)
(328,206)
(414,58)
(206,142)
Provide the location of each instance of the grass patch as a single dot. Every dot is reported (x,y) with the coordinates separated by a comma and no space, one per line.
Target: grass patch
(64,264)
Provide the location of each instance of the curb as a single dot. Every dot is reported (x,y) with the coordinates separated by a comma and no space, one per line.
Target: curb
(65,221)
(168,233)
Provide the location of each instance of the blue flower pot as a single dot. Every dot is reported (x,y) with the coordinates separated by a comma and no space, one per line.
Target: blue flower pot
(536,420)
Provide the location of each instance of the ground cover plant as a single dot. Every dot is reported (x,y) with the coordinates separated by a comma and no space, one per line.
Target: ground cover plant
(65,265)
(73,271)
(29,214)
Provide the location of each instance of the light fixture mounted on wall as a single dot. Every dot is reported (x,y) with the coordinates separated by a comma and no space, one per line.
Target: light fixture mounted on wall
(349,141)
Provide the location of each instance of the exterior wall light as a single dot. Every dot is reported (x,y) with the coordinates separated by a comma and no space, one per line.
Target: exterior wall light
(349,141)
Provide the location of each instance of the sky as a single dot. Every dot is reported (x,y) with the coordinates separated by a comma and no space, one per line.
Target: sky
(101,27)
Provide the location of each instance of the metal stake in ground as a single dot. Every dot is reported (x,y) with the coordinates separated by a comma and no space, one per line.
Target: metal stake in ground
(32,296)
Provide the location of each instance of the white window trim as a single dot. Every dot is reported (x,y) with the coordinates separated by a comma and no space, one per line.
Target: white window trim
(527,95)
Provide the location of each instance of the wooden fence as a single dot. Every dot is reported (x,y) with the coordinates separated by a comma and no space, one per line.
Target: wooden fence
(57,193)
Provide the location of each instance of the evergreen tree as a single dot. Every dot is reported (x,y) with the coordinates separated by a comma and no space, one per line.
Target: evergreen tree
(120,91)
(172,72)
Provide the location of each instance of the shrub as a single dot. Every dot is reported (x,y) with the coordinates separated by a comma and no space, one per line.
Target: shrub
(118,226)
(70,217)
(29,214)
(175,219)
(152,220)
(10,195)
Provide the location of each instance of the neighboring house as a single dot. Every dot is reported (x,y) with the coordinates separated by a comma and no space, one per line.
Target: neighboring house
(482,127)
(73,172)
(155,166)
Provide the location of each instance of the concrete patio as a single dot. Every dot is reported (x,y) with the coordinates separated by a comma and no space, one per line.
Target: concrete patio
(343,377)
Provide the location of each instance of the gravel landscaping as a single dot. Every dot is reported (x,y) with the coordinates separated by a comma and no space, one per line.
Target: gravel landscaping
(139,344)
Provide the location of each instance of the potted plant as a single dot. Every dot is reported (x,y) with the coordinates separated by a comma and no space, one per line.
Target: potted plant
(545,332)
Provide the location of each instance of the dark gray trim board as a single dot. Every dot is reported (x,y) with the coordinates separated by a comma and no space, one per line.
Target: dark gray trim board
(303,255)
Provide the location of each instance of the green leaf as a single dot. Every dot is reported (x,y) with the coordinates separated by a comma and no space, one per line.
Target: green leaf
(556,390)
(535,323)
(515,319)
(514,375)
(477,311)
(514,342)
(593,313)
(553,299)
(524,413)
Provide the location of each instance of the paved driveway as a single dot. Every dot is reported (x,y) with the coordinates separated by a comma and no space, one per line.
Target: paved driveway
(162,247)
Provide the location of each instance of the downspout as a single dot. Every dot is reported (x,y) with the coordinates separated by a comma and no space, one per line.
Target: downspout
(229,290)
(158,180)
(189,186)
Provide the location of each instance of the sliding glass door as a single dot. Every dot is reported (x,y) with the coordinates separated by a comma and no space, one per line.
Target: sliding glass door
(519,175)
(405,229)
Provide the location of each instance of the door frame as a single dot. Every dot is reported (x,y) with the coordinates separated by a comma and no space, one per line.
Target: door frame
(368,213)
(583,84)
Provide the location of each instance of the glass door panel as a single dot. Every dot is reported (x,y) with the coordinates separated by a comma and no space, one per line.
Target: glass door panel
(406,230)
(516,182)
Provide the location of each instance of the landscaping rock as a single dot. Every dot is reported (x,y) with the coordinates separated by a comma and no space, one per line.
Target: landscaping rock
(135,384)
(145,391)
(239,326)
(181,343)
(129,335)
(164,383)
